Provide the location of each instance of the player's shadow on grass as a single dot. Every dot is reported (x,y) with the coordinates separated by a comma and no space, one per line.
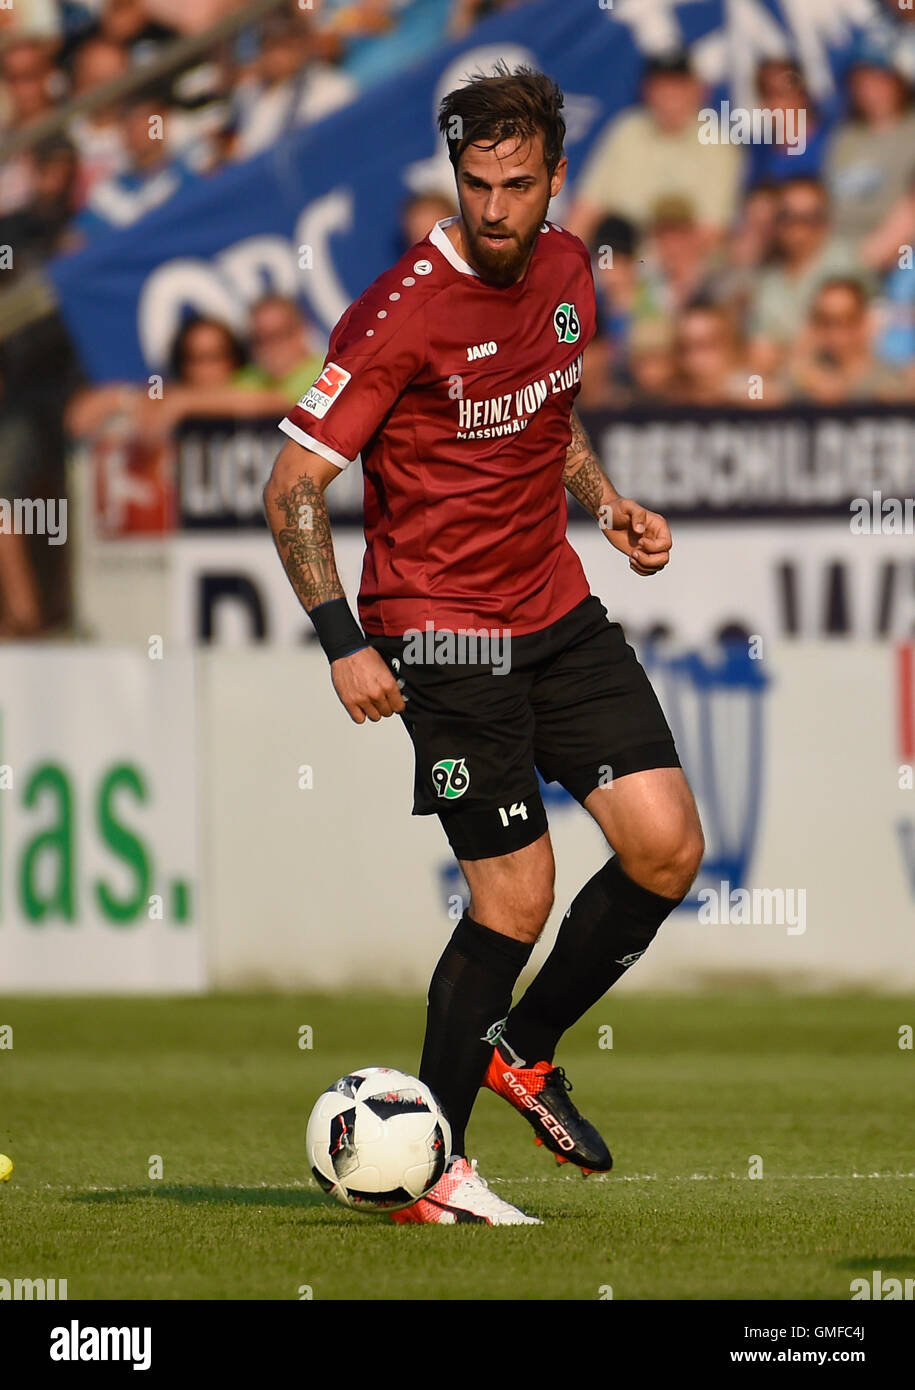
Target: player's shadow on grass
(201,1196)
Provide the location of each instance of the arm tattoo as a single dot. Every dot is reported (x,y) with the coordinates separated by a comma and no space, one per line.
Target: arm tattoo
(582,474)
(301,530)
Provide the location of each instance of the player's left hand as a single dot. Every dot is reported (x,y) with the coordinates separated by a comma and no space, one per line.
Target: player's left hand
(642,535)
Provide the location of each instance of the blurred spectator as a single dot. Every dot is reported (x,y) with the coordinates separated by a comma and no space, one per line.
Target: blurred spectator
(286,357)
(97,134)
(806,253)
(890,250)
(128,24)
(617,287)
(286,87)
(653,152)
(27,71)
(206,353)
(651,362)
(872,155)
(604,368)
(201,117)
(37,18)
(708,366)
(676,267)
(897,21)
(193,16)
(466,13)
(151,177)
(20,597)
(380,38)
(835,360)
(38,372)
(419,214)
(27,76)
(613,250)
(206,363)
(596,390)
(780,87)
(35,231)
(36,362)
(749,247)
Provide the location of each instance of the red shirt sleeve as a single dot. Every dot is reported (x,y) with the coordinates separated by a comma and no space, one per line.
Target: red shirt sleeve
(375,351)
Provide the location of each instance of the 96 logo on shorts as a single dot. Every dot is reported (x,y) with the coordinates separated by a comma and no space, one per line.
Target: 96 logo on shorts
(451,778)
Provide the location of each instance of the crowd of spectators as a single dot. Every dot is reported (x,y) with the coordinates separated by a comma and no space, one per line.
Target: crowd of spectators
(728,274)
(213,372)
(106,165)
(748,275)
(737,237)
(110,164)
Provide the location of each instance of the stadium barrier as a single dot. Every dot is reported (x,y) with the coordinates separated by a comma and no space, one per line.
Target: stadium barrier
(770,510)
(183,820)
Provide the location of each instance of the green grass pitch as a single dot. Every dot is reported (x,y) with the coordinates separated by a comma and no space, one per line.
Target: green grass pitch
(817,1087)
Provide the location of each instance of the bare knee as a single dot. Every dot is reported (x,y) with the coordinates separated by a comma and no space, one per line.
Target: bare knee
(513,893)
(521,913)
(684,862)
(669,865)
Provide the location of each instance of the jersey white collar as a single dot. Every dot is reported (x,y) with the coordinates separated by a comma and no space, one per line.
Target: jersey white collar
(442,243)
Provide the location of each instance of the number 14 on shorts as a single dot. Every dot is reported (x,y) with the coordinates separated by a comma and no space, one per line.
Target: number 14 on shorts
(517,808)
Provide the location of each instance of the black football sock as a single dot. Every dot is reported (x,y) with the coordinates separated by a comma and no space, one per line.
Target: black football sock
(610,924)
(469,996)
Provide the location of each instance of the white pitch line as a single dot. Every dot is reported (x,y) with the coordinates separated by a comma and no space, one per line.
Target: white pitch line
(234,1187)
(552,1177)
(712,1177)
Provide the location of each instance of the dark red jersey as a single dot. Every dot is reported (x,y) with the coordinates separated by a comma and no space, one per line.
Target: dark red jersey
(458,397)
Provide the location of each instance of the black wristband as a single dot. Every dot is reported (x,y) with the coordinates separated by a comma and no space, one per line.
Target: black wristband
(337,629)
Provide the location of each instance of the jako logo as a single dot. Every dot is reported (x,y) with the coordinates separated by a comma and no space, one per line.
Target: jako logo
(482,350)
(75,1343)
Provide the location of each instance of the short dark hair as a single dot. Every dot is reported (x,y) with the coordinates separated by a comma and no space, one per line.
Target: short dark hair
(703,303)
(616,232)
(429,195)
(851,284)
(53,147)
(234,346)
(158,94)
(804,181)
(503,105)
(287,301)
(673,63)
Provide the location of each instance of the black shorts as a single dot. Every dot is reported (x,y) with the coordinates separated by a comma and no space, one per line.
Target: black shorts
(574,704)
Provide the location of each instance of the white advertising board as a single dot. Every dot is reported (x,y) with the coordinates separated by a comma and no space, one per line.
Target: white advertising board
(98,837)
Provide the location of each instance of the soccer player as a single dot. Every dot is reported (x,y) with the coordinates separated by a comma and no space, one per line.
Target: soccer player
(454,377)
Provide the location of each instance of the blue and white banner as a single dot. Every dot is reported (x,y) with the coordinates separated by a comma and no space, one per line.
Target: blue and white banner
(318,215)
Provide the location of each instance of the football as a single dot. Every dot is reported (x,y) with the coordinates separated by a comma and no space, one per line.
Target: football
(377,1139)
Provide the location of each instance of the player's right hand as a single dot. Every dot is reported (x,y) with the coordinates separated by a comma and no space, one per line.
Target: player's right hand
(366,686)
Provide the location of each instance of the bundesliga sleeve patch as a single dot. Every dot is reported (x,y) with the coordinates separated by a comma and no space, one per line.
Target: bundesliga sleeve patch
(320,396)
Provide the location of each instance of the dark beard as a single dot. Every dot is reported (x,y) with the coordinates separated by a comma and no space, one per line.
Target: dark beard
(503,267)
